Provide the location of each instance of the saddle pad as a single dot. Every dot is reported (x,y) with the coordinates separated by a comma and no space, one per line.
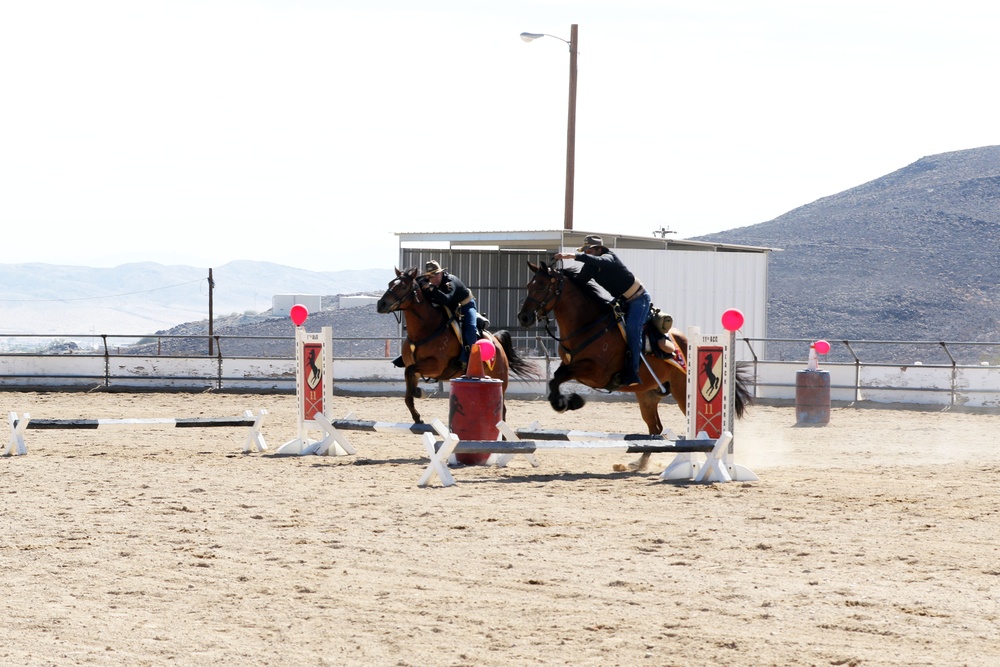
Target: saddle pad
(678,360)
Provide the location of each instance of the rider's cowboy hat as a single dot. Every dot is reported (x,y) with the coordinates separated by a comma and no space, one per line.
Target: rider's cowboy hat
(592,242)
(432,267)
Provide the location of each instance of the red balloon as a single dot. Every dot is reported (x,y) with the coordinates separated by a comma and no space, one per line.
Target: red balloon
(732,319)
(487,349)
(299,313)
(822,347)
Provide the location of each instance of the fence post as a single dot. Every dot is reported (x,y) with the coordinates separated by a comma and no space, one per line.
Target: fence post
(954,372)
(857,370)
(753,353)
(218,346)
(107,361)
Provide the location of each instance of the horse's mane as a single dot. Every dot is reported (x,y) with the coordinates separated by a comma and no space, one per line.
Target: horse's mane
(589,288)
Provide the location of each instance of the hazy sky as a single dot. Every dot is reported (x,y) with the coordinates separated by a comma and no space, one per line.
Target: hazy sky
(306,132)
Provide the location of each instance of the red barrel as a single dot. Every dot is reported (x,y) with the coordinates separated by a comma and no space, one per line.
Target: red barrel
(475,407)
(812,398)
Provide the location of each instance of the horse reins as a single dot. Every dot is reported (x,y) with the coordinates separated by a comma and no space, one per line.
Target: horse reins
(414,294)
(411,294)
(553,297)
(542,313)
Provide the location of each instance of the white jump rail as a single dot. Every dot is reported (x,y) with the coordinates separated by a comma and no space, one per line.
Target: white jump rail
(254,439)
(334,433)
(713,469)
(709,410)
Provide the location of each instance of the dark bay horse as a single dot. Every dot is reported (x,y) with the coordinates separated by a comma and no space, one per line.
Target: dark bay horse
(433,348)
(592,348)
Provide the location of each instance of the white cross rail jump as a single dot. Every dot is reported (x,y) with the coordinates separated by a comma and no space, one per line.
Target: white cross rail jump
(683,467)
(709,416)
(314,402)
(18,425)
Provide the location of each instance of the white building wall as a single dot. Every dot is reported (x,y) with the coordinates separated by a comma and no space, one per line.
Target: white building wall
(697,287)
(281,304)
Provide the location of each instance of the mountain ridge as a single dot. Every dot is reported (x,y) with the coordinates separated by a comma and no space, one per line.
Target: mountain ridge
(143,297)
(907,256)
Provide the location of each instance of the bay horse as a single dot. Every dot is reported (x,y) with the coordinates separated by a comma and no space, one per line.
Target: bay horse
(592,349)
(433,347)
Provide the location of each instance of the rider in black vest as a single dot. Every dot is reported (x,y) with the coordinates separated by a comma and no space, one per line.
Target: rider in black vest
(604,267)
(445,289)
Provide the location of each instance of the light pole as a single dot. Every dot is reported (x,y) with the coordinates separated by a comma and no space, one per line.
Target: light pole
(571,119)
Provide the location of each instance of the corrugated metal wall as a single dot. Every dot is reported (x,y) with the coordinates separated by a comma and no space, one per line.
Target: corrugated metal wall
(697,287)
(496,277)
(694,287)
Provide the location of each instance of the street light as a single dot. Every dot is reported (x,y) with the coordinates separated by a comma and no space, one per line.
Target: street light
(571,120)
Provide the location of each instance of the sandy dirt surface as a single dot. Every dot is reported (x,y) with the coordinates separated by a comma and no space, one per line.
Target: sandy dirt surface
(871,541)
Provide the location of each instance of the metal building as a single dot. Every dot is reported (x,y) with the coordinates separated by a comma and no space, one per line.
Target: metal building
(281,304)
(694,281)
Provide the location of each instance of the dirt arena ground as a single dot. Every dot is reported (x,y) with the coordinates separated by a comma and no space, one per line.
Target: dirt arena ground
(871,541)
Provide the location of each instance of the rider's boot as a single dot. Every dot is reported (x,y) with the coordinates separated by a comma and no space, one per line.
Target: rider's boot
(629,378)
(628,375)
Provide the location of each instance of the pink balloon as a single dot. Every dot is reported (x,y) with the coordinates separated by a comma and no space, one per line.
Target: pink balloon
(822,347)
(299,313)
(732,319)
(487,350)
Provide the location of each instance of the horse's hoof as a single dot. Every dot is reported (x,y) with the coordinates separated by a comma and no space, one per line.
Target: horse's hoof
(638,466)
(559,404)
(418,393)
(576,402)
(635,466)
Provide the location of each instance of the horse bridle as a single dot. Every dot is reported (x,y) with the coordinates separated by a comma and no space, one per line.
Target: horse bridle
(396,308)
(413,293)
(552,297)
(552,294)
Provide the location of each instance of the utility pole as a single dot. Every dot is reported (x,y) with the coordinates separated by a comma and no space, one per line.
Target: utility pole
(571,130)
(211,318)
(574,38)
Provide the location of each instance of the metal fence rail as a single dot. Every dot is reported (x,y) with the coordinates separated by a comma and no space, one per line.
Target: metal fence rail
(955,373)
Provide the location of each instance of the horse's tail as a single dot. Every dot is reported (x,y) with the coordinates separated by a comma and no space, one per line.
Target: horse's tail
(743,397)
(519,366)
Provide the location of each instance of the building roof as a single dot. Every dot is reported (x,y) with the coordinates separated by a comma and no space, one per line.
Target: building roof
(556,240)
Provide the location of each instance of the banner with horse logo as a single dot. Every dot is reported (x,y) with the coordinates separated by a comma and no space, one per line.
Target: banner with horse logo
(708,403)
(312,373)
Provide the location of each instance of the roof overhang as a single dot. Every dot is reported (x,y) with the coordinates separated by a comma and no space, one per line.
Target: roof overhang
(557,240)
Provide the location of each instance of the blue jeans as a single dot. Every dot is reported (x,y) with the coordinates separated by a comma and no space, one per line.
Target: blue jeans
(470,333)
(636,314)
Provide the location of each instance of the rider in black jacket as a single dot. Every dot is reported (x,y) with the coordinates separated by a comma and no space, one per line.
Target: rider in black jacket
(604,267)
(445,289)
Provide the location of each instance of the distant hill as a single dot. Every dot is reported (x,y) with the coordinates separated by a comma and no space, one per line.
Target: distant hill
(145,297)
(909,256)
(358,332)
